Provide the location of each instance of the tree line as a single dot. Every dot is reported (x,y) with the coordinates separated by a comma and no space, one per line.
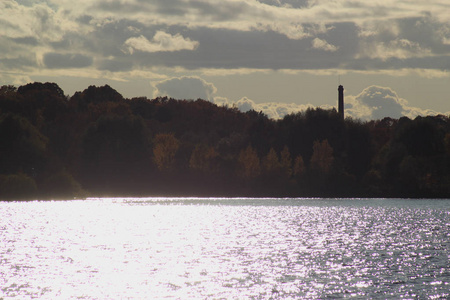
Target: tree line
(98,143)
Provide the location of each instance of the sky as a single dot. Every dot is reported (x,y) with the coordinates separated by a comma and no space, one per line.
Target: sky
(275,56)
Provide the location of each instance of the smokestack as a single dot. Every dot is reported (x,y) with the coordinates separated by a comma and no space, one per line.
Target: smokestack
(341,101)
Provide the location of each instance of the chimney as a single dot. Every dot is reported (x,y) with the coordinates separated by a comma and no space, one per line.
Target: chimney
(341,101)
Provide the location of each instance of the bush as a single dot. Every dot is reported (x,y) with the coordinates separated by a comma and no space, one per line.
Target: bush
(17,187)
(62,185)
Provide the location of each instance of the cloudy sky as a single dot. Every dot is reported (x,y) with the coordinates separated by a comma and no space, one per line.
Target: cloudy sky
(278,56)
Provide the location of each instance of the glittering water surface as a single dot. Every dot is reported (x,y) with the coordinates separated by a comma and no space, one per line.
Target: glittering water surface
(225,249)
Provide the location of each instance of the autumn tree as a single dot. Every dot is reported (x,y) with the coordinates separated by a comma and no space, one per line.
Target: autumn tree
(286,161)
(270,162)
(165,146)
(202,158)
(322,157)
(299,167)
(249,163)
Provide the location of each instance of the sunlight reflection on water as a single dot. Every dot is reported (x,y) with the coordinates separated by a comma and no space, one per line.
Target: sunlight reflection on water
(192,248)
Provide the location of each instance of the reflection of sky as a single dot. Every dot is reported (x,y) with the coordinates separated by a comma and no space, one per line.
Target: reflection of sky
(281,51)
(241,248)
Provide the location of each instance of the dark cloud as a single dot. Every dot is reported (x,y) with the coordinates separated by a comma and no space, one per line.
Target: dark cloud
(221,48)
(19,63)
(167,8)
(61,61)
(425,31)
(441,63)
(223,11)
(107,39)
(115,65)
(31,41)
(265,34)
(289,3)
(119,6)
(84,19)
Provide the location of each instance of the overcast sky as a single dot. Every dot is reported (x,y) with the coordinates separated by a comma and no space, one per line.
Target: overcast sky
(278,56)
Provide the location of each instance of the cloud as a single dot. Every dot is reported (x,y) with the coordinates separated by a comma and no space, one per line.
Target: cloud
(245,104)
(14,79)
(373,103)
(161,42)
(185,87)
(193,87)
(376,102)
(264,34)
(323,45)
(115,65)
(63,61)
(114,39)
(274,110)
(287,3)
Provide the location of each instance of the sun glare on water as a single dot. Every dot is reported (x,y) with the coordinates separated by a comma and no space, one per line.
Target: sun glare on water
(194,248)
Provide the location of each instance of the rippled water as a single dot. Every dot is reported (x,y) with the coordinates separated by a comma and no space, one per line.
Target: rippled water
(225,249)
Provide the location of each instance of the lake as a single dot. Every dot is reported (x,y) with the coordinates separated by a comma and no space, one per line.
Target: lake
(189,248)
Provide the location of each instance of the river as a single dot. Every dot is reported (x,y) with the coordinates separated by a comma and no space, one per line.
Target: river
(190,248)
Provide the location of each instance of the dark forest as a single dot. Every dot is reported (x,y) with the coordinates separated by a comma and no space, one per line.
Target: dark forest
(97,143)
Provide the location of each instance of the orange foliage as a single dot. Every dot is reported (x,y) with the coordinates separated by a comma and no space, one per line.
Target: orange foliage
(249,164)
(164,150)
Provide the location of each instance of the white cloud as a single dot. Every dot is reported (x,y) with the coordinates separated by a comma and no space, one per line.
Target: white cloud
(323,45)
(245,104)
(373,103)
(397,48)
(185,87)
(161,42)
(376,102)
(93,39)
(221,101)
(367,30)
(274,110)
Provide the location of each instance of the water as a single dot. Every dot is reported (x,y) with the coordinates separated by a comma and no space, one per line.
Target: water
(225,249)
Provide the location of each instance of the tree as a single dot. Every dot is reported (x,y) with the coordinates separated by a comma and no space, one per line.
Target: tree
(421,137)
(114,154)
(202,158)
(42,102)
(96,95)
(38,86)
(165,147)
(8,91)
(17,187)
(116,138)
(286,161)
(299,167)
(270,162)
(22,146)
(61,185)
(249,163)
(322,157)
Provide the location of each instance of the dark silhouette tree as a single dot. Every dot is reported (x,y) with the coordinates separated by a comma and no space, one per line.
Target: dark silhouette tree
(203,159)
(17,187)
(115,149)
(322,157)
(22,146)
